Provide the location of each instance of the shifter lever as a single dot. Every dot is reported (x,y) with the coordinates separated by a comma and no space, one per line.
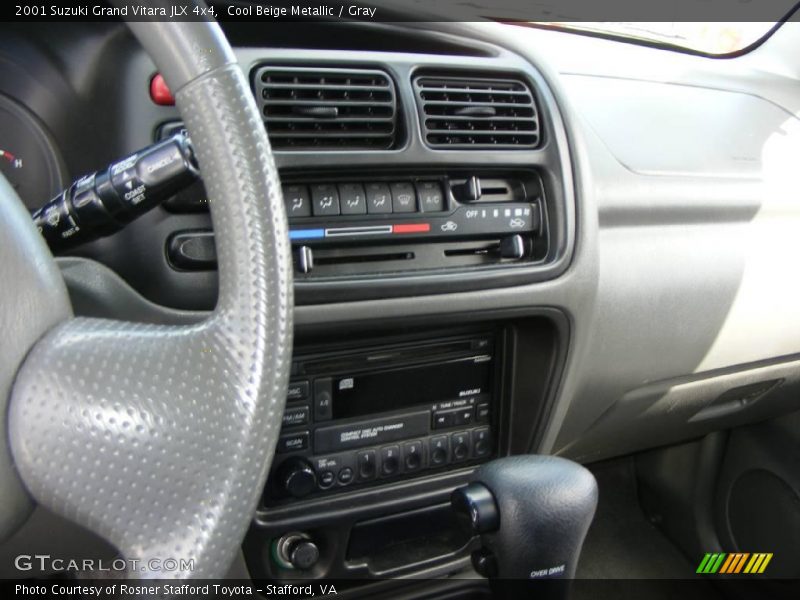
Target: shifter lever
(532,514)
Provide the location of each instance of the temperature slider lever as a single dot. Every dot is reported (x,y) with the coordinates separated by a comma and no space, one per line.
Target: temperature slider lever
(104,202)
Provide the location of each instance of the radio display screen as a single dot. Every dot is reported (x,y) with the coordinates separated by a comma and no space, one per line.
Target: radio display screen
(380,391)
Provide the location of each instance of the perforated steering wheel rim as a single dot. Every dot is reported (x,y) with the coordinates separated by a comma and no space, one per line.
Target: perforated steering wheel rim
(159,438)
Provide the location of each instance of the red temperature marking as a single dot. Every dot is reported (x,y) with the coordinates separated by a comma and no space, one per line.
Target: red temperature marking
(411,228)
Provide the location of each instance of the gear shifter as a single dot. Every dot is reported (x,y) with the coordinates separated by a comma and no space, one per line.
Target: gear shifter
(532,514)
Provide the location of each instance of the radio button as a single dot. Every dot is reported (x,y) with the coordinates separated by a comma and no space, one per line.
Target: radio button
(439,450)
(324,199)
(345,475)
(297,415)
(390,460)
(379,198)
(298,390)
(404,197)
(461,445)
(323,399)
(463,416)
(326,479)
(482,412)
(481,442)
(413,456)
(443,420)
(293,442)
(367,466)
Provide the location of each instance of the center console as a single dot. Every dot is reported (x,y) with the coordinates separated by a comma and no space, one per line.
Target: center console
(380,426)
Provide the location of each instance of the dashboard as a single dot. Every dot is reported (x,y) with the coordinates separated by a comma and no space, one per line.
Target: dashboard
(478,194)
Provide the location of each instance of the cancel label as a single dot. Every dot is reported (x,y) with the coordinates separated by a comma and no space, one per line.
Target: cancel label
(368,433)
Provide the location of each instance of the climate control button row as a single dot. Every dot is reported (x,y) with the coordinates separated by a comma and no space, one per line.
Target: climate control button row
(373,198)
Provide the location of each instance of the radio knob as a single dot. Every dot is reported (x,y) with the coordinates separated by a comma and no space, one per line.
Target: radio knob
(296,477)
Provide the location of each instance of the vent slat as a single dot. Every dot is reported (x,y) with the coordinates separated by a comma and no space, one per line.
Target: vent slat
(479,112)
(308,108)
(268,102)
(326,86)
(312,134)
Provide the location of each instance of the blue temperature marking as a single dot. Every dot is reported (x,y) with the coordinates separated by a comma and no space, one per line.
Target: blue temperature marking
(306,234)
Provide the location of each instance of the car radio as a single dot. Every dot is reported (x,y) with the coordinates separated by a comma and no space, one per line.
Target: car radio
(383,413)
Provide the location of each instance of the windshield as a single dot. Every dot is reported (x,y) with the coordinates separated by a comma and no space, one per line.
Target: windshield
(708,38)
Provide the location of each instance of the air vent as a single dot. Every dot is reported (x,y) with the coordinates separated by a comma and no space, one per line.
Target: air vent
(466,112)
(327,109)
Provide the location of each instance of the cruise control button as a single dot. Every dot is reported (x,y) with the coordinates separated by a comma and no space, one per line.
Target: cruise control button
(431,198)
(379,198)
(352,199)
(404,197)
(324,199)
(297,201)
(293,442)
(298,390)
(390,460)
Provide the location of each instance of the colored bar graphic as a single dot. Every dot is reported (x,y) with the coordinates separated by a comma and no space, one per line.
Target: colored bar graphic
(411,228)
(735,562)
(718,563)
(306,234)
(727,564)
(703,564)
(763,566)
(740,563)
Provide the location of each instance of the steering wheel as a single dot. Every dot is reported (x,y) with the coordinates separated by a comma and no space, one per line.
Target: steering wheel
(158,438)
